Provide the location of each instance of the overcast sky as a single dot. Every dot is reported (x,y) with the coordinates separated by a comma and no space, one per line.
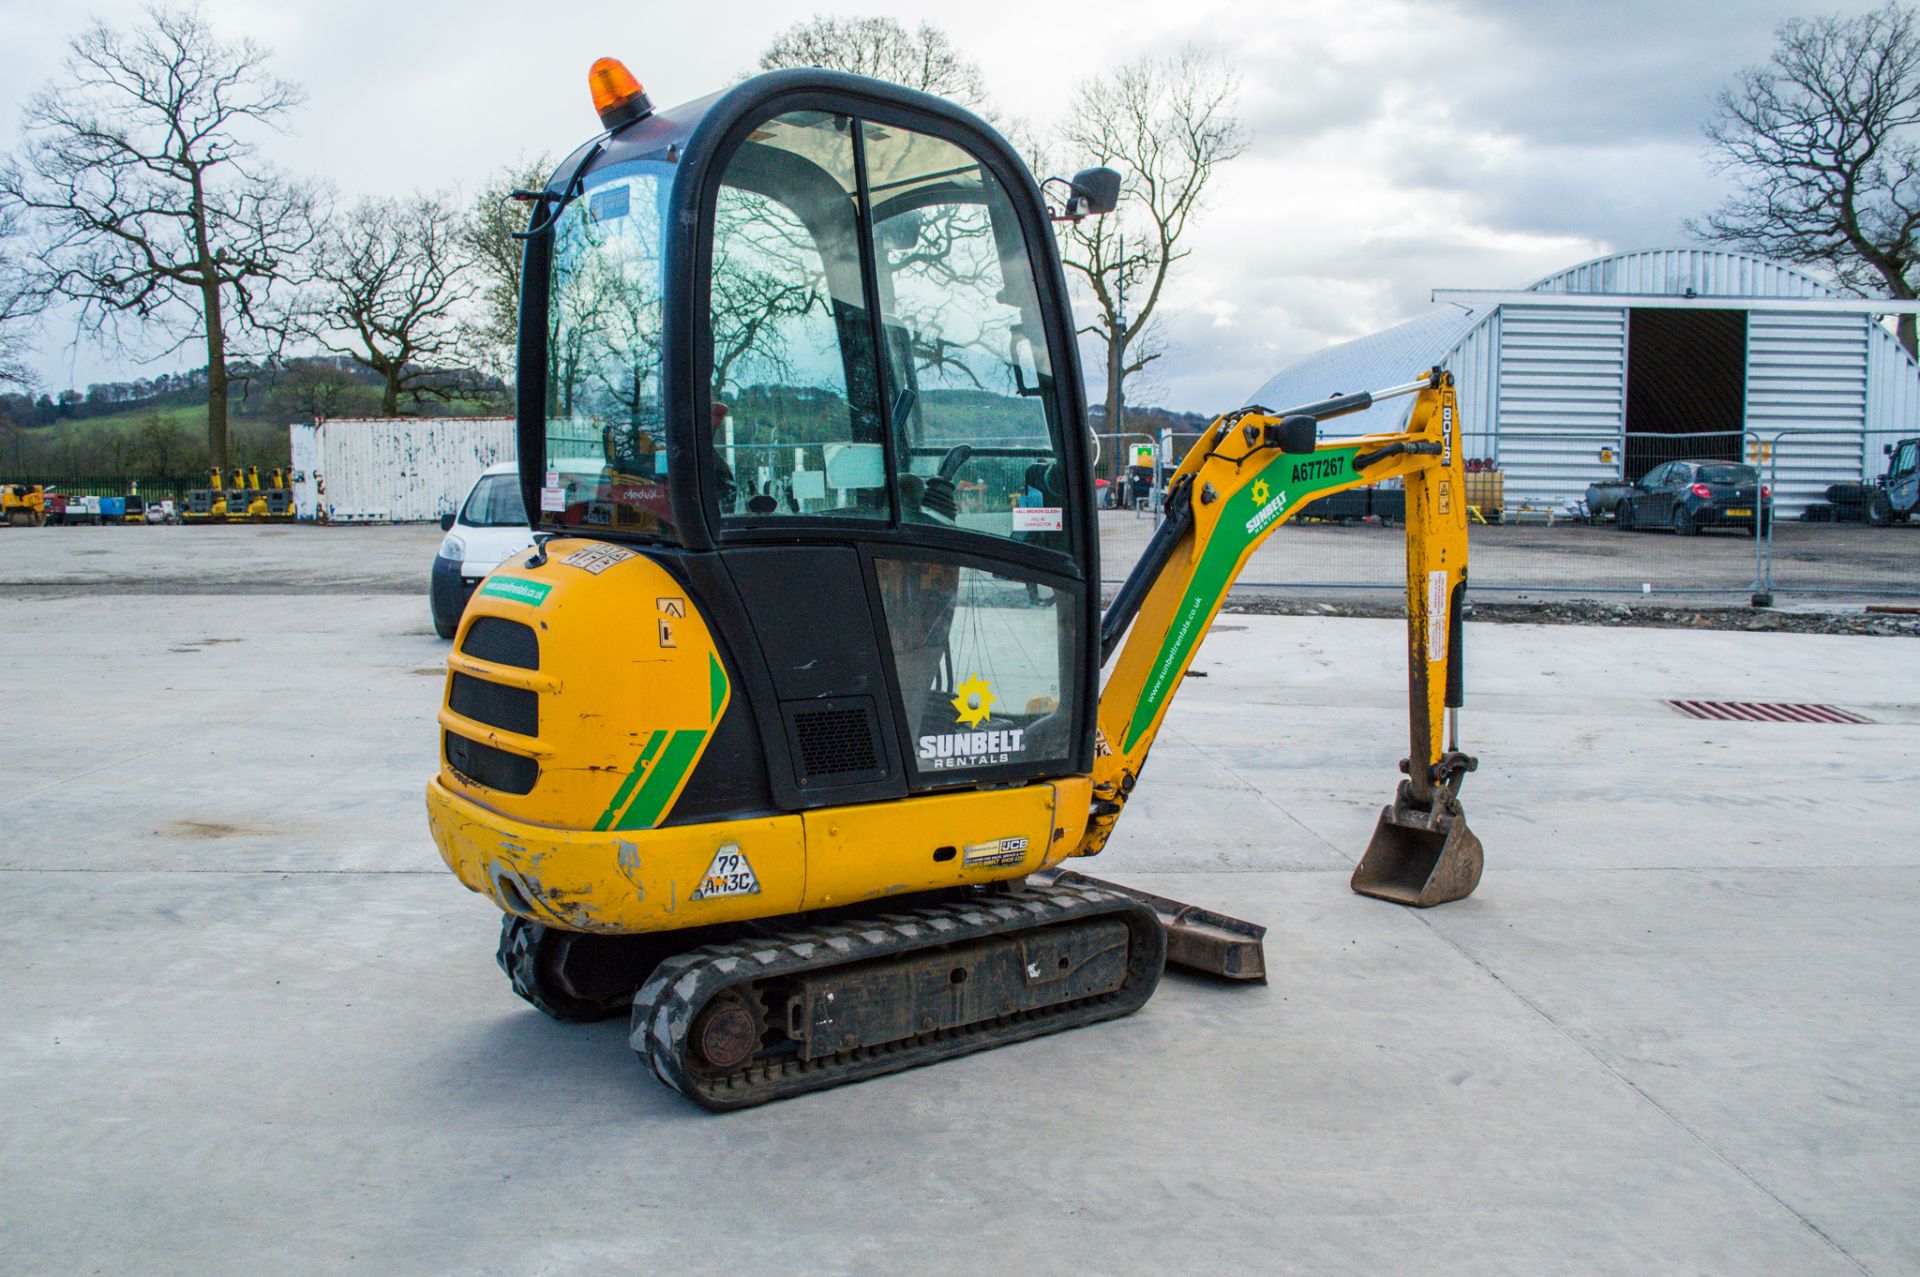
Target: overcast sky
(1396,145)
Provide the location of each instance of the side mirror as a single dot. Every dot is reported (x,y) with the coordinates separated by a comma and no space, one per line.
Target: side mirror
(1296,434)
(1099,188)
(1886,450)
(446,523)
(1091,193)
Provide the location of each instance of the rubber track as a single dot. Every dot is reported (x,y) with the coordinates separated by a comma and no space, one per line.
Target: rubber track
(665,1007)
(523,956)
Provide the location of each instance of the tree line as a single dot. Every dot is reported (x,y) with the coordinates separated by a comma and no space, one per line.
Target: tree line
(139,198)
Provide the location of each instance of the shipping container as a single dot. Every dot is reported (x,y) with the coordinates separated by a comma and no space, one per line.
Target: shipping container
(393,469)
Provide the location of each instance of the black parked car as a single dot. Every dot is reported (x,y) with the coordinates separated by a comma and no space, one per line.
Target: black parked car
(1687,496)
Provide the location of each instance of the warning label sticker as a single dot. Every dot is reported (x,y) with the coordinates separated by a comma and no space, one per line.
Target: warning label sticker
(728,875)
(1437,616)
(1037,518)
(597,558)
(1001,851)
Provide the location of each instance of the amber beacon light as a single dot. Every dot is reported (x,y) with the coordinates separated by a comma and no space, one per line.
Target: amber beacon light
(617,96)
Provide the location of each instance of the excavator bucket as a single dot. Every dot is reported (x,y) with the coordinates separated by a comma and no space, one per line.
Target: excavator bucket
(1419,858)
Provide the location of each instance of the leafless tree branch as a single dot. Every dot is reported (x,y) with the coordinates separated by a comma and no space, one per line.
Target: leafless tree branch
(1167,124)
(494,256)
(1821,141)
(148,201)
(883,49)
(390,280)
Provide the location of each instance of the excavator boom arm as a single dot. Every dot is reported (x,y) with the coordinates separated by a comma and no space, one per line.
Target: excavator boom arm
(1250,473)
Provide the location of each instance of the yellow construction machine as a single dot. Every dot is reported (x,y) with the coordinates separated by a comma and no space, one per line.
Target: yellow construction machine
(779,737)
(208,504)
(23,505)
(245,500)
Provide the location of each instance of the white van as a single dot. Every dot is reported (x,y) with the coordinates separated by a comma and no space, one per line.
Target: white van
(491,525)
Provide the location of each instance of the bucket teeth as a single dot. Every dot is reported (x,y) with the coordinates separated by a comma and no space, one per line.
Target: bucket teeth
(1419,857)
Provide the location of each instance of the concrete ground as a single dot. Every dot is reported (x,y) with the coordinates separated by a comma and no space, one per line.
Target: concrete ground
(251,1025)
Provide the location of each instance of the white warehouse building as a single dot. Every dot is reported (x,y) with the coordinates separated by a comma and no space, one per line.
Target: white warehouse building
(1585,375)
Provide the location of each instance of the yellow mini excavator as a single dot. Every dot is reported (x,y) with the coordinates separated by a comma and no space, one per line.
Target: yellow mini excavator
(777,739)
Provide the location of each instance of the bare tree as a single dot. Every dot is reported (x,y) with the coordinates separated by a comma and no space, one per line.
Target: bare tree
(152,204)
(390,280)
(19,301)
(495,256)
(1821,144)
(923,58)
(1167,124)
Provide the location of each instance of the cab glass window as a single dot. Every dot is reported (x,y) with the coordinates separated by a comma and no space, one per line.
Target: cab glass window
(970,381)
(986,663)
(796,417)
(605,429)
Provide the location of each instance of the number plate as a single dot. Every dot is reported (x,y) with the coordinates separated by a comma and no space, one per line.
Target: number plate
(1740,514)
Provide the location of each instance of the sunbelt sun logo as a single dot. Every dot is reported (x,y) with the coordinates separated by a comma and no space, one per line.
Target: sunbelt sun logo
(1269,509)
(972,703)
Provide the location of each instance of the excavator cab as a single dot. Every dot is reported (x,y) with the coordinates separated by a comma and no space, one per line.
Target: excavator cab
(807,342)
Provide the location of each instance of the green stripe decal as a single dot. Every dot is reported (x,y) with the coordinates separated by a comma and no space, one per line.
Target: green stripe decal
(658,778)
(626,786)
(1276,493)
(663,779)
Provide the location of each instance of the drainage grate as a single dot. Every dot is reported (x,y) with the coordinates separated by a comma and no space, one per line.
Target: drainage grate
(1765,712)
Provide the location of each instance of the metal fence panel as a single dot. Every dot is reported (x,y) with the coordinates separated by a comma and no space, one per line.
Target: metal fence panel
(1830,545)
(150,487)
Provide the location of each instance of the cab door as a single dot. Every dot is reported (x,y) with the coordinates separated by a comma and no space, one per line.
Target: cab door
(985,618)
(899,484)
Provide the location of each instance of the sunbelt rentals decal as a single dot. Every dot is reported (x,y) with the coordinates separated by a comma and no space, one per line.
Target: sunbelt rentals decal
(975,747)
(1270,506)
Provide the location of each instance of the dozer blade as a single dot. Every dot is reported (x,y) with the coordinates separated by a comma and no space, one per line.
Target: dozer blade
(1419,858)
(1198,939)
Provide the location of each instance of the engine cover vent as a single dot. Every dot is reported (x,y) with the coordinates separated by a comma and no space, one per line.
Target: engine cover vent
(494,768)
(503,642)
(835,742)
(511,709)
